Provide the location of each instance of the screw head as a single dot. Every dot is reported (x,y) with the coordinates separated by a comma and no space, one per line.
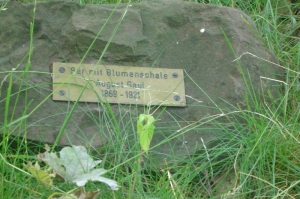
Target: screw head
(177,98)
(175,75)
(62,69)
(61,93)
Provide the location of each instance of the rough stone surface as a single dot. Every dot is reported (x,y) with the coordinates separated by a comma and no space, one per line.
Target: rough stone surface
(160,34)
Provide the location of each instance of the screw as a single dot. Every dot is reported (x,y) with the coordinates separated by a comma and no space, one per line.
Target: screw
(61,93)
(62,69)
(177,98)
(175,75)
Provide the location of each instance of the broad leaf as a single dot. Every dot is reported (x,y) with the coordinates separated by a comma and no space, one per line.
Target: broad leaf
(41,175)
(145,128)
(75,165)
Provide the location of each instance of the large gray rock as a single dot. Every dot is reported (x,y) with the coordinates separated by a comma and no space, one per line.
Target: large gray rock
(162,34)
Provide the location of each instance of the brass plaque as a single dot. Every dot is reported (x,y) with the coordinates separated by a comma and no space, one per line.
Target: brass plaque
(118,84)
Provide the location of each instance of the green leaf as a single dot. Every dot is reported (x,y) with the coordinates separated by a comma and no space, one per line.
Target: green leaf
(41,175)
(145,129)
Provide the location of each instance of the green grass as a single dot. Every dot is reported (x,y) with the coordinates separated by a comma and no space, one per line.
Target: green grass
(258,158)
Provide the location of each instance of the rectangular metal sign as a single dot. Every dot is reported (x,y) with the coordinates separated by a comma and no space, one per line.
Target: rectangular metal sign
(118,84)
